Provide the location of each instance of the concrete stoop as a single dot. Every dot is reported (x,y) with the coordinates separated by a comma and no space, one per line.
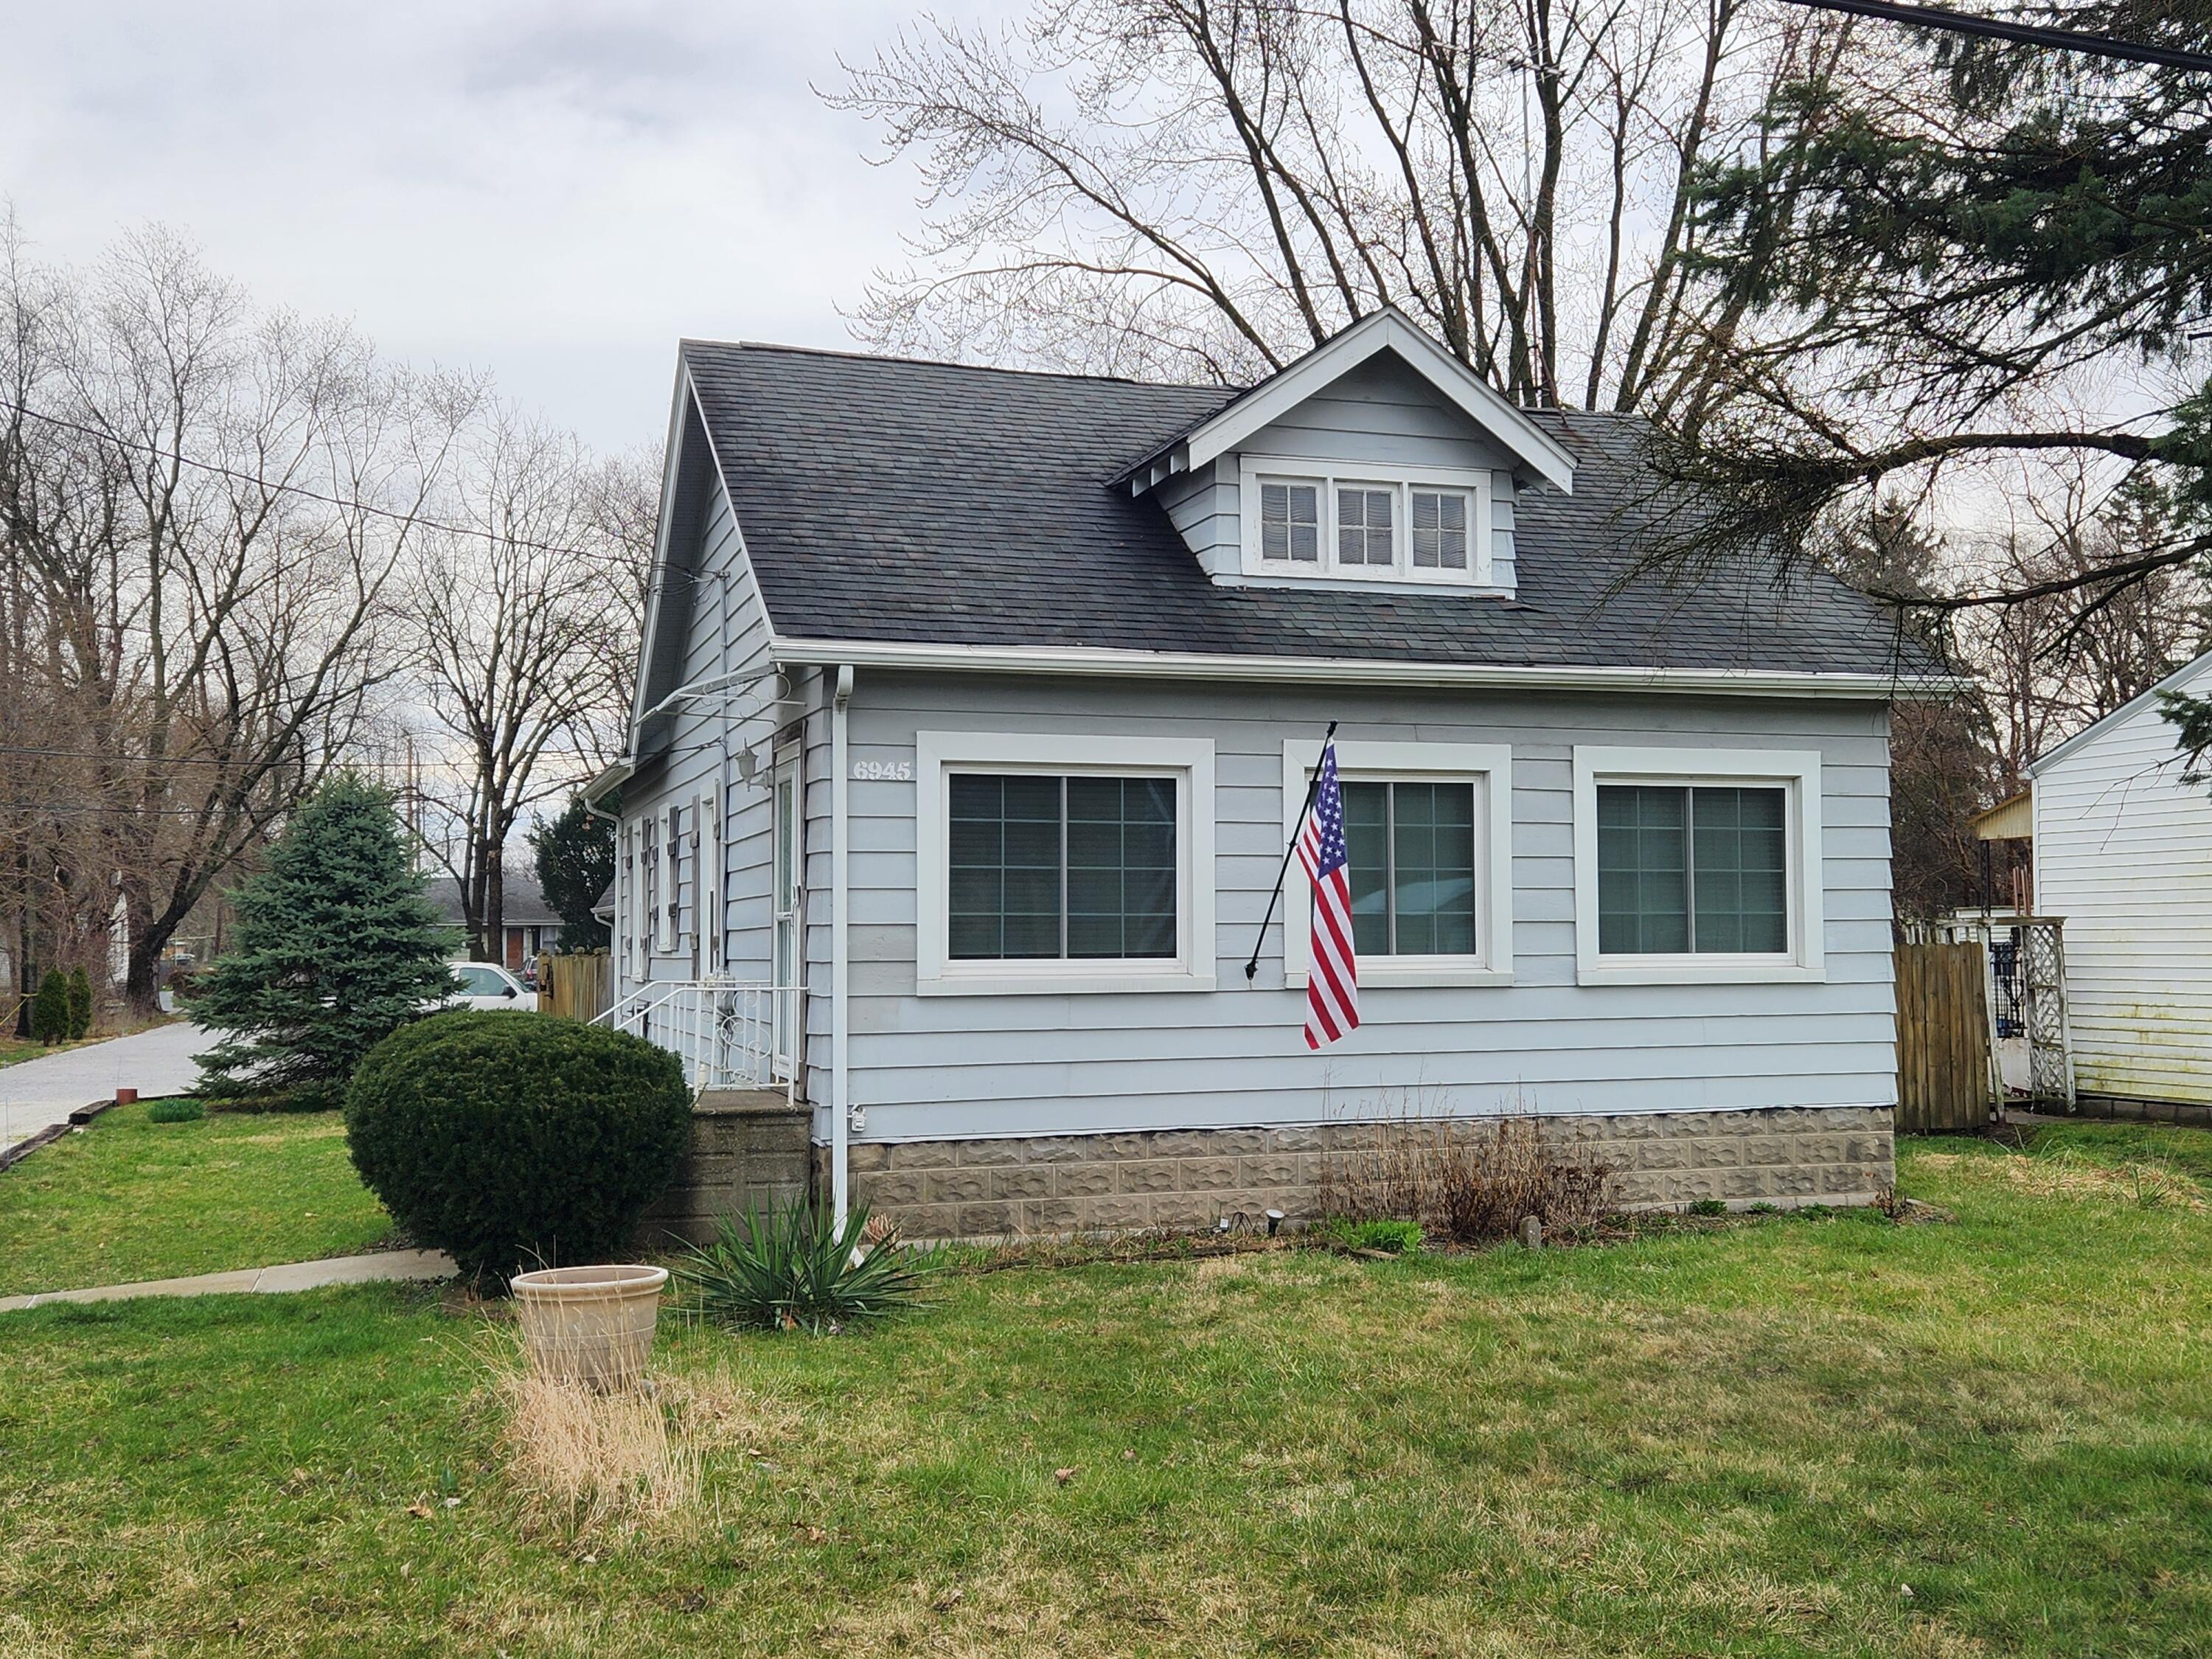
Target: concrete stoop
(749,1149)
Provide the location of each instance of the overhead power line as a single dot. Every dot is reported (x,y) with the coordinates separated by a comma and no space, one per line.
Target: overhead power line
(349,503)
(2025,34)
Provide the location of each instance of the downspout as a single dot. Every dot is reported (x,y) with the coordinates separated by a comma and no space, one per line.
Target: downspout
(839,1098)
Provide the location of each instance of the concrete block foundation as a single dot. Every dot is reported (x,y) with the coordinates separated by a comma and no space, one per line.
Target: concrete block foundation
(1789,1157)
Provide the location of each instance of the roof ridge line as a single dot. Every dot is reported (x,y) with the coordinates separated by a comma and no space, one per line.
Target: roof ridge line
(1226,390)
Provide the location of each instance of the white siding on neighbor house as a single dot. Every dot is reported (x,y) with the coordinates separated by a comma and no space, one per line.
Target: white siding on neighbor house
(1382,413)
(1040,1063)
(2123,853)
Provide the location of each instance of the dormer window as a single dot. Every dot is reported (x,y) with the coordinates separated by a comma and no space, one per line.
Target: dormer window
(1418,527)
(1363,526)
(1439,529)
(1289,523)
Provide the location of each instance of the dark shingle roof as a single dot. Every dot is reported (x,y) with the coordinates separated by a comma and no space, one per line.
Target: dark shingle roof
(888,500)
(522,904)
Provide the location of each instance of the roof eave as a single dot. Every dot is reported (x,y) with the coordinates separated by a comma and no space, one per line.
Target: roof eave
(1083,660)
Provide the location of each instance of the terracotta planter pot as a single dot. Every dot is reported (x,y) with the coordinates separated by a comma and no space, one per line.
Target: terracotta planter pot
(590,1325)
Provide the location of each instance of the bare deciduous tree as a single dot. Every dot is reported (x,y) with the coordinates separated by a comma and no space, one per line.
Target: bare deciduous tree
(527,629)
(1204,189)
(203,505)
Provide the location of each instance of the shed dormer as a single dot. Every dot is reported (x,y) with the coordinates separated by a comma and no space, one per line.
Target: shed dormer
(1376,461)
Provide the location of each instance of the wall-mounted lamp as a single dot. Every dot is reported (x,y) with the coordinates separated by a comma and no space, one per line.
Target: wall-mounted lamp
(748,763)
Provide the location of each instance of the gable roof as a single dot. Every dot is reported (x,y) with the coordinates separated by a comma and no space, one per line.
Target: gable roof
(1226,429)
(892,501)
(523,906)
(2089,733)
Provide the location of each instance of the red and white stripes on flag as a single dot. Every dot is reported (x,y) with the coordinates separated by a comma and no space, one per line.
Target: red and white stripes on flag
(1333,972)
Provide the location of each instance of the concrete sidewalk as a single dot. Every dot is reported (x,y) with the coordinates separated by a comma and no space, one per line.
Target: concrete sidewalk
(382,1266)
(36,1093)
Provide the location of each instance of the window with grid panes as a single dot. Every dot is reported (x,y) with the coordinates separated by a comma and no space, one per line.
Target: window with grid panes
(1079,867)
(1692,869)
(1412,852)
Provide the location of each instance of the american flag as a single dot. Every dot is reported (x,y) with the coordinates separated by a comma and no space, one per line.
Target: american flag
(1333,976)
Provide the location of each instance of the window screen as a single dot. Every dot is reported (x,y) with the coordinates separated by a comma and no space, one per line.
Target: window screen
(1079,868)
(1412,847)
(1702,870)
(1290,522)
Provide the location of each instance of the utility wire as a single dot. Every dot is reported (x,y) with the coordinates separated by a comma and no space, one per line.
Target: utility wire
(349,504)
(2025,34)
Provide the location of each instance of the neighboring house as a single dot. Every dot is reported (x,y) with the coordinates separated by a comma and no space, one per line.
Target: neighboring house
(2123,850)
(529,924)
(978,705)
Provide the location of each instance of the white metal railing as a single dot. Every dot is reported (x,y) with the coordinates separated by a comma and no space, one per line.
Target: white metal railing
(730,1033)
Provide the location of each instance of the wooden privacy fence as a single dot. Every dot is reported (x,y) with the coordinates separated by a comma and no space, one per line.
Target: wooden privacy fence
(1943,1070)
(576,985)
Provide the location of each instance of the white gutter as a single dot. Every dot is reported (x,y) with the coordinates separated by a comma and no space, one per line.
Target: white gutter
(1354,671)
(840,836)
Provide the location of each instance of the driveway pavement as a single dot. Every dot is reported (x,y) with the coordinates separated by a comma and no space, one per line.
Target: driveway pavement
(34,1093)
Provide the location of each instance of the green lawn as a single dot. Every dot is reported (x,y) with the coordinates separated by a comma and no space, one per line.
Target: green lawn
(1791,1434)
(130,1199)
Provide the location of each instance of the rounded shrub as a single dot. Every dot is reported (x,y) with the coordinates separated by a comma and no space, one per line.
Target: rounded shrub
(502,1137)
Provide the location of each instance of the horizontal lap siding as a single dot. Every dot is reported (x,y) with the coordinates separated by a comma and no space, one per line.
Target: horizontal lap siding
(2124,855)
(693,760)
(1026,1065)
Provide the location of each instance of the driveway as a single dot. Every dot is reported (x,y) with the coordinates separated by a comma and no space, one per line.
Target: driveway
(34,1093)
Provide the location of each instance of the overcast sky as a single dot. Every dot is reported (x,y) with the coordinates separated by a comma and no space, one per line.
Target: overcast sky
(556,191)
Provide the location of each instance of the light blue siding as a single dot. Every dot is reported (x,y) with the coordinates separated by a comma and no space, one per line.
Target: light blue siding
(950,1066)
(1382,413)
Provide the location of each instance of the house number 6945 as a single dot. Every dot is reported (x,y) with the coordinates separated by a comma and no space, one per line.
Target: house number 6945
(869,771)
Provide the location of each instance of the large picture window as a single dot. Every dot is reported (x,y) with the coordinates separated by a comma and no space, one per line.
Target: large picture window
(1075,867)
(1428,830)
(1063,863)
(1703,870)
(1697,865)
(1413,868)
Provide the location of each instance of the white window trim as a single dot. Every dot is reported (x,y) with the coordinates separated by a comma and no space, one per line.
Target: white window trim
(708,882)
(1189,761)
(1488,765)
(1799,769)
(1480,575)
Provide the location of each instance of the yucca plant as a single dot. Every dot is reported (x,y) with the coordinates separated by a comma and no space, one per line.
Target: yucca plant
(793,1268)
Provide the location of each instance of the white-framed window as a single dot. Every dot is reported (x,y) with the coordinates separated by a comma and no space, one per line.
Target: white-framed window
(1429,826)
(1441,520)
(625,927)
(1289,521)
(1306,519)
(706,856)
(1063,863)
(1697,865)
(649,914)
(671,877)
(1366,526)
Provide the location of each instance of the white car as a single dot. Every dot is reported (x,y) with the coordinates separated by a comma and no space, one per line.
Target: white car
(487,985)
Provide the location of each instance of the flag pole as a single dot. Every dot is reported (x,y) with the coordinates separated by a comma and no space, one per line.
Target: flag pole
(1252,968)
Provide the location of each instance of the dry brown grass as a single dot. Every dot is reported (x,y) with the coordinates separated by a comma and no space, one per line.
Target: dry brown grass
(2065,1174)
(581,1463)
(1465,1181)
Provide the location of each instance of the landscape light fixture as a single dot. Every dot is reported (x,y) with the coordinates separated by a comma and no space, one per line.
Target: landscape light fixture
(1274,1221)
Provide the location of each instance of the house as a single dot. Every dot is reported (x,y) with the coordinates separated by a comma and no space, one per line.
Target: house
(528,924)
(977,707)
(2123,857)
